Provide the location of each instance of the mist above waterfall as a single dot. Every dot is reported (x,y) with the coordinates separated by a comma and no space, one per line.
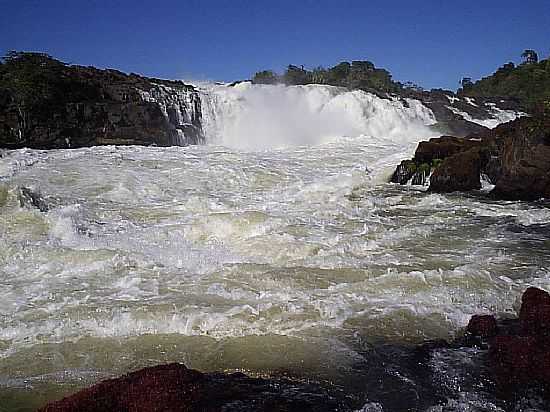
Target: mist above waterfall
(253,117)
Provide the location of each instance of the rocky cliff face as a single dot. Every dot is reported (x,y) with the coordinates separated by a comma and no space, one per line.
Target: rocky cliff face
(87,106)
(514,157)
(462,116)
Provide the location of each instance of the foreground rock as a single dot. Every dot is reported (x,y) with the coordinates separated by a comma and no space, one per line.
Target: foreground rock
(432,155)
(46,104)
(175,388)
(514,157)
(519,351)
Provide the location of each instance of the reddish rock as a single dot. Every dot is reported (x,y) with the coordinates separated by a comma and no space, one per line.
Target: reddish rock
(174,388)
(541,361)
(484,326)
(512,359)
(525,159)
(534,315)
(460,172)
(443,147)
(170,388)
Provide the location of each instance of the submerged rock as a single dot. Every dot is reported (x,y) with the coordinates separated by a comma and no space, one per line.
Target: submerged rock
(28,197)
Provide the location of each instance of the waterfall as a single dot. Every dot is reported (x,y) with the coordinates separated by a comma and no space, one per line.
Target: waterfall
(247,116)
(181,107)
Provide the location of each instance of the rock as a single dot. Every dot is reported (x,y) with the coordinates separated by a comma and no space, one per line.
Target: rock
(85,106)
(29,198)
(483,326)
(534,314)
(525,159)
(428,157)
(519,357)
(511,359)
(514,156)
(404,172)
(442,147)
(174,388)
(460,172)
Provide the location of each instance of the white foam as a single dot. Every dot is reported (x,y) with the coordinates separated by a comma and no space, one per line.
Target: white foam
(250,116)
(497,116)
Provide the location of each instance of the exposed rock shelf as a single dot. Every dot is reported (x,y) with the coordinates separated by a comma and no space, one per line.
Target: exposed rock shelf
(514,157)
(45,104)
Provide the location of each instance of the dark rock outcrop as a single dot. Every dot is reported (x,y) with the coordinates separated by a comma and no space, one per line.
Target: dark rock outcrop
(515,157)
(452,111)
(429,156)
(483,326)
(519,357)
(46,104)
(28,197)
(525,159)
(534,315)
(175,388)
(460,172)
(443,147)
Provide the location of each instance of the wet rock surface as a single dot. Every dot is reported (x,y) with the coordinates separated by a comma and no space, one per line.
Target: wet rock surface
(515,157)
(460,172)
(175,388)
(484,326)
(519,350)
(85,106)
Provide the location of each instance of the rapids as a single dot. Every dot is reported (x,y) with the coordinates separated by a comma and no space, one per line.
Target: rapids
(277,249)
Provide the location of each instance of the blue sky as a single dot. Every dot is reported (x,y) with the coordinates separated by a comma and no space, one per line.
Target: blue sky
(433,43)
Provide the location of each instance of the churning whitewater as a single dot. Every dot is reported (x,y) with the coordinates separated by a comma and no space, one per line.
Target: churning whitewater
(277,248)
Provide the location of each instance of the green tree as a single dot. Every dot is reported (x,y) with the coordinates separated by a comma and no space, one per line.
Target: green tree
(338,74)
(295,75)
(530,56)
(265,77)
(319,75)
(466,83)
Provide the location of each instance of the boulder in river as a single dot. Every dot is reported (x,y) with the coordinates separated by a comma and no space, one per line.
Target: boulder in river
(514,157)
(175,388)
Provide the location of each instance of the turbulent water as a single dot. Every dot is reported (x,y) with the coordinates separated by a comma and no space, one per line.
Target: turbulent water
(277,249)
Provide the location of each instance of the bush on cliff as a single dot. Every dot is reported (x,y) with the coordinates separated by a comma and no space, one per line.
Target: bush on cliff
(358,74)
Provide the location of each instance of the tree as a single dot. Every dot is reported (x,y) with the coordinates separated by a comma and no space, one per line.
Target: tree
(319,75)
(466,83)
(413,86)
(337,75)
(296,75)
(530,56)
(265,77)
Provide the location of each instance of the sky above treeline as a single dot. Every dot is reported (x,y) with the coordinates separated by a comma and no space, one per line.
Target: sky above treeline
(433,43)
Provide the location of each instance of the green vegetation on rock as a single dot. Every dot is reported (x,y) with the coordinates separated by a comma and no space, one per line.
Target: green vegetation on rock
(355,75)
(528,82)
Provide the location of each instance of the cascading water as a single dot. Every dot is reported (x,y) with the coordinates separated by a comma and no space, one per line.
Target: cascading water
(181,107)
(248,116)
(291,261)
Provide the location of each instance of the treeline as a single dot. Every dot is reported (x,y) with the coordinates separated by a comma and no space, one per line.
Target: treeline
(355,75)
(528,82)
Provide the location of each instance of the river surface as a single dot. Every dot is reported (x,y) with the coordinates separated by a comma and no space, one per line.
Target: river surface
(298,261)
